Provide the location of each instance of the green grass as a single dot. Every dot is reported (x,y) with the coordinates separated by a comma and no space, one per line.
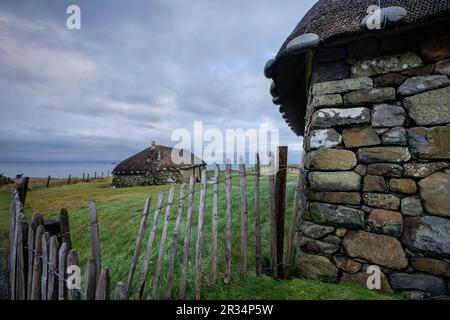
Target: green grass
(120,211)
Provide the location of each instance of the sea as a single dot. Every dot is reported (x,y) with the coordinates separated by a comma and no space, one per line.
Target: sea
(56,169)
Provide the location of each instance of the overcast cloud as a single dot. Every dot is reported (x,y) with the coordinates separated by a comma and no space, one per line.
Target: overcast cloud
(136,71)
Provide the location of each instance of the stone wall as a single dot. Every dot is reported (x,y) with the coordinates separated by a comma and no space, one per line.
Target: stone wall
(378,151)
(154,178)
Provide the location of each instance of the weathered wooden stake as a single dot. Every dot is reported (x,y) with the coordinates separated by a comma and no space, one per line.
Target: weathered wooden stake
(68,180)
(48,181)
(64,227)
(214,226)
(280,206)
(37,265)
(148,251)
(20,264)
(162,246)
(273,218)
(52,291)
(174,249)
(104,284)
(121,291)
(72,260)
(83,176)
(62,266)
(257,216)
(138,246)
(95,237)
(45,264)
(244,226)
(187,239)
(90,279)
(31,238)
(229,224)
(198,245)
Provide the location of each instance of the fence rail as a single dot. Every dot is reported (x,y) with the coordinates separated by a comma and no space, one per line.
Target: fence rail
(41,257)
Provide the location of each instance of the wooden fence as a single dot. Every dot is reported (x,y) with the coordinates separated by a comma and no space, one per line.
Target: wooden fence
(41,257)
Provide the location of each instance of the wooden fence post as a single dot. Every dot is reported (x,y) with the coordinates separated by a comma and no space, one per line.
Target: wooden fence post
(198,245)
(83,176)
(68,180)
(214,226)
(244,226)
(290,249)
(52,292)
(48,181)
(229,224)
(174,249)
(273,218)
(257,216)
(149,249)
(280,206)
(90,279)
(95,175)
(64,227)
(162,246)
(102,175)
(72,260)
(37,220)
(45,265)
(31,238)
(87,178)
(187,239)
(103,287)
(121,291)
(95,237)
(137,249)
(37,266)
(62,256)
(20,285)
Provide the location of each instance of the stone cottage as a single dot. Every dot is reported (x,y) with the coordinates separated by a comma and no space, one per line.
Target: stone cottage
(369,91)
(154,166)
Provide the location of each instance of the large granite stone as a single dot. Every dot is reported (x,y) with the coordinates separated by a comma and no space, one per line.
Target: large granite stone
(315,231)
(405,186)
(360,137)
(395,136)
(431,266)
(430,143)
(330,71)
(375,95)
(411,206)
(420,84)
(328,118)
(386,64)
(330,160)
(335,181)
(389,80)
(346,264)
(435,193)
(342,86)
(383,201)
(423,170)
(428,235)
(386,222)
(374,184)
(325,138)
(318,246)
(443,67)
(415,281)
(429,108)
(385,115)
(388,170)
(337,216)
(383,154)
(316,267)
(378,249)
(351,198)
(329,100)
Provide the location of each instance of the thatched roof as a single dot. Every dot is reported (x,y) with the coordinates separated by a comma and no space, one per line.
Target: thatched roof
(137,163)
(335,20)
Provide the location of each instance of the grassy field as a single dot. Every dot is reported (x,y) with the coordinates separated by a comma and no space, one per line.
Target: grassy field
(120,211)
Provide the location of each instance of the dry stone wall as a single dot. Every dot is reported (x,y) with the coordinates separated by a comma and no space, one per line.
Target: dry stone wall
(378,155)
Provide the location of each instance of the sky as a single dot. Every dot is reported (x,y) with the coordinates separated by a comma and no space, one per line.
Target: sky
(134,72)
